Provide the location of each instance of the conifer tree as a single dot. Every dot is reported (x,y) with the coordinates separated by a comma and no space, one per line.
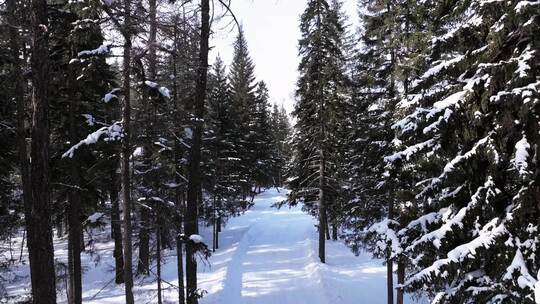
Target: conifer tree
(242,82)
(467,140)
(318,111)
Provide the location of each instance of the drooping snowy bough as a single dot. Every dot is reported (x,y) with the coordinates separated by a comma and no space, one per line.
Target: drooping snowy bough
(469,135)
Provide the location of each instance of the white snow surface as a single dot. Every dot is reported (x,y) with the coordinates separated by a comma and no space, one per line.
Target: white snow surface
(265,256)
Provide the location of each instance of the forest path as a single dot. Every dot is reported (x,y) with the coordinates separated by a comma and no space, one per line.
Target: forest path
(269,255)
(266,256)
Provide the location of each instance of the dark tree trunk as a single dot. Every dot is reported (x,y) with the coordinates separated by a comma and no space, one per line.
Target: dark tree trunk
(334,231)
(18,94)
(158,258)
(145,229)
(389,262)
(74,217)
(327,227)
(389,281)
(37,212)
(400,281)
(144,242)
(116,230)
(179,194)
(124,159)
(214,222)
(194,182)
(322,207)
(180,268)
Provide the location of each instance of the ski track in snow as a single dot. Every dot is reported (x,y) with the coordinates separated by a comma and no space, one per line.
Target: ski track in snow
(266,256)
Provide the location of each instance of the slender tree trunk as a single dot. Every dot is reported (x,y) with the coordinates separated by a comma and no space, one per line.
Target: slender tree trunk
(145,229)
(37,213)
(144,242)
(116,229)
(194,182)
(74,220)
(322,207)
(214,230)
(178,192)
(180,268)
(334,231)
(158,270)
(18,94)
(389,262)
(124,159)
(400,281)
(327,227)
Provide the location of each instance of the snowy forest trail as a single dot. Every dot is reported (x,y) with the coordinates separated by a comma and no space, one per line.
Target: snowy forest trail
(269,256)
(266,255)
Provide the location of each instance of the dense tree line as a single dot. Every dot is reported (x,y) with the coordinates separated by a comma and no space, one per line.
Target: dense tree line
(119,119)
(418,137)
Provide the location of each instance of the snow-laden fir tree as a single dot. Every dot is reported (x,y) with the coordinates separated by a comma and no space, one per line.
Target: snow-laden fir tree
(319,106)
(280,150)
(261,139)
(380,71)
(243,85)
(470,143)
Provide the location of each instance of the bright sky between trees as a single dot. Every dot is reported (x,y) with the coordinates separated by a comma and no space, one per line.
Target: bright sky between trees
(272,32)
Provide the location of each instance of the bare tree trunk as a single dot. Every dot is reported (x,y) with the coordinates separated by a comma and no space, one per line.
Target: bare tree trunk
(74,220)
(158,270)
(194,182)
(327,227)
(18,94)
(116,230)
(400,281)
(214,230)
(124,159)
(145,229)
(144,242)
(322,207)
(178,192)
(389,262)
(334,231)
(37,213)
(180,269)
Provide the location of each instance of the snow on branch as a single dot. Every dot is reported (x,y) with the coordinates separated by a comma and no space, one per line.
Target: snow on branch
(111,133)
(102,49)
(451,166)
(112,94)
(387,236)
(452,220)
(162,90)
(524,279)
(424,220)
(521,156)
(409,151)
(486,237)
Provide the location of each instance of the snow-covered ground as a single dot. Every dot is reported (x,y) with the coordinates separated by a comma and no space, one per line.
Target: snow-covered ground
(266,256)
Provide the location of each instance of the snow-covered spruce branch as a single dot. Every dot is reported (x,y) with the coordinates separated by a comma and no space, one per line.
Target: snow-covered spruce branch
(110,133)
